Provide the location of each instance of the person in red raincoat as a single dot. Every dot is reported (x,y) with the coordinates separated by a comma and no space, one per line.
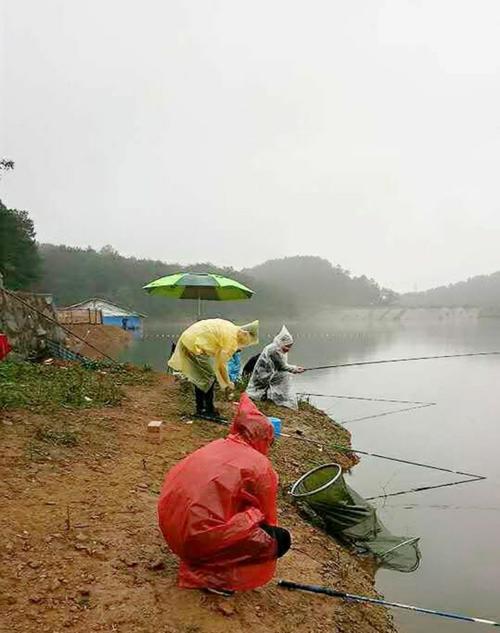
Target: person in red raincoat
(217,509)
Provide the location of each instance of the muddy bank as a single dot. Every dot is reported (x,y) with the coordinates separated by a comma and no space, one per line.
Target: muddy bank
(79,545)
(108,339)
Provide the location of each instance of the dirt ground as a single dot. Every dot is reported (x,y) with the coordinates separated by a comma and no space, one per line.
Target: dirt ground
(106,338)
(79,545)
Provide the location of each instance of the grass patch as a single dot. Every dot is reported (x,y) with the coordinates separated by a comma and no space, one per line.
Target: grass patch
(125,374)
(48,387)
(57,438)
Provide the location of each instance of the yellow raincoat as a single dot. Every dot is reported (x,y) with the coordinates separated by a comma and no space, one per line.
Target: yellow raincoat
(204,349)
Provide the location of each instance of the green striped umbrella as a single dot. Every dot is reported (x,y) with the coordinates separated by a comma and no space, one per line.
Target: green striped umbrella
(199,286)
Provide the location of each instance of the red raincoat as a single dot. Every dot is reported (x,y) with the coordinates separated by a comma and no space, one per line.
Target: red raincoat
(213,502)
(5,347)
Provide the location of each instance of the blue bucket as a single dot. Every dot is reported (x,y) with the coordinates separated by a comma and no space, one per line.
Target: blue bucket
(276,422)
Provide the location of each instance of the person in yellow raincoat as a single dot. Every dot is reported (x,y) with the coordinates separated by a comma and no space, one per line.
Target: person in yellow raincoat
(202,353)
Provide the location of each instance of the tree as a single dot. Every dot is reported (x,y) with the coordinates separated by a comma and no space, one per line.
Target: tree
(19,258)
(6,164)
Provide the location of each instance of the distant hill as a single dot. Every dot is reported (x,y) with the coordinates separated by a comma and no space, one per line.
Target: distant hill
(481,291)
(292,286)
(315,283)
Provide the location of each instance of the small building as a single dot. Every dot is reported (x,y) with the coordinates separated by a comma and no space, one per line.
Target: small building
(110,314)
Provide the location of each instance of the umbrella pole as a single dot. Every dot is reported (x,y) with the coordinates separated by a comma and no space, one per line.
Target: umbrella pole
(199,308)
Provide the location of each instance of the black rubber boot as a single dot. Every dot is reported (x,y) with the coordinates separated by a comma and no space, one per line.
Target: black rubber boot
(210,410)
(200,401)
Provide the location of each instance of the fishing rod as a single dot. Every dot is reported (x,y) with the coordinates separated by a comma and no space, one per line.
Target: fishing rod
(334,593)
(347,449)
(381,415)
(401,360)
(328,395)
(419,405)
(424,488)
(471,477)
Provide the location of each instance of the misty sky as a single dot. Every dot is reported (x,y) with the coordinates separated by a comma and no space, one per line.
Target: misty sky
(363,131)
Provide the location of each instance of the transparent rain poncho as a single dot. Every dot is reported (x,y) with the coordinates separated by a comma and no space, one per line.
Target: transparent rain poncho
(271,379)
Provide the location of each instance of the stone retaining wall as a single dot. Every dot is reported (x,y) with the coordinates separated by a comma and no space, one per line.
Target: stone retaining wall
(26,329)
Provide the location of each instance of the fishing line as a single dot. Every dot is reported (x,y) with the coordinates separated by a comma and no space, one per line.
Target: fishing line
(381,415)
(424,488)
(471,477)
(400,360)
(398,605)
(327,395)
(415,506)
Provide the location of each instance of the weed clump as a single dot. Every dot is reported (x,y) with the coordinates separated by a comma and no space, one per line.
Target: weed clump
(36,387)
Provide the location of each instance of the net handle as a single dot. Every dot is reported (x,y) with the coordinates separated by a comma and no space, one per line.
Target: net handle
(297,495)
(410,541)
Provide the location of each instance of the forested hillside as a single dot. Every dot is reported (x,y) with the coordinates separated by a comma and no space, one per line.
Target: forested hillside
(292,286)
(481,291)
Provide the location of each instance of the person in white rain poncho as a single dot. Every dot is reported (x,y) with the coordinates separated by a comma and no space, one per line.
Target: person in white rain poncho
(271,378)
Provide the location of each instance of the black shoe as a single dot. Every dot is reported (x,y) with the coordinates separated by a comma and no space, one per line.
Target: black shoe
(225,593)
(212,413)
(212,418)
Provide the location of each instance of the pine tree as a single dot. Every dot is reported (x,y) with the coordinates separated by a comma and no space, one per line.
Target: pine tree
(19,258)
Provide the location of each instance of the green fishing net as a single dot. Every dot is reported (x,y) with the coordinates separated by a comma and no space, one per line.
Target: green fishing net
(346,516)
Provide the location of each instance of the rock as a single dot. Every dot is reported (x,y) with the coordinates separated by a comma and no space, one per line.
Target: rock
(84,591)
(55,584)
(226,609)
(156,564)
(80,546)
(130,562)
(99,553)
(10,599)
(9,547)
(34,599)
(34,564)
(82,538)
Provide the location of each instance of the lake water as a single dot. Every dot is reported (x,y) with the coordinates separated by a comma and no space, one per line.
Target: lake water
(459,526)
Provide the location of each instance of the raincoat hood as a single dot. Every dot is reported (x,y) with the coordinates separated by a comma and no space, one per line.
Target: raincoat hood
(253,330)
(283,339)
(252,426)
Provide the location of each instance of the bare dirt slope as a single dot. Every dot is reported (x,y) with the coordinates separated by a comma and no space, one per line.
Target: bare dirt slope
(79,544)
(109,339)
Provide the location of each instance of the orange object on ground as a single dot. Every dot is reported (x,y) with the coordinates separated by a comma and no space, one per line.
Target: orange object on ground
(5,347)
(212,505)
